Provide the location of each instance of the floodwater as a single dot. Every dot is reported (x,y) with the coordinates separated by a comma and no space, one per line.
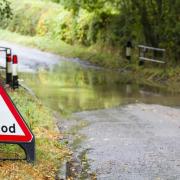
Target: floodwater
(71,87)
(75,85)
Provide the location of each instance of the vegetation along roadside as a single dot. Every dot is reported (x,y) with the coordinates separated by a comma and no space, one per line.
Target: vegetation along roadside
(50,152)
(88,33)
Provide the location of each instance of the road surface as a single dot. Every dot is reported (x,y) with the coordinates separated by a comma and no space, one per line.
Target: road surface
(133,142)
(31,59)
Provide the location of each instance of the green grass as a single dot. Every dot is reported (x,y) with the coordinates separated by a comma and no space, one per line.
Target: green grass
(45,43)
(50,153)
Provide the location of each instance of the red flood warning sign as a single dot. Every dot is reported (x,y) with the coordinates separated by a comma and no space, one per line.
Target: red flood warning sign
(12,125)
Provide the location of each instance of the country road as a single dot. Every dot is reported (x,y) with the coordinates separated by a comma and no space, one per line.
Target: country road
(133,142)
(136,141)
(31,59)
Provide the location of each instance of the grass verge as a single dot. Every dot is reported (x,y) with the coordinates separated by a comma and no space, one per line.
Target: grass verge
(50,152)
(45,43)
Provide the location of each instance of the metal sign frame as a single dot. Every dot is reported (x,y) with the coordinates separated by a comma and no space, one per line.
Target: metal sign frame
(8,51)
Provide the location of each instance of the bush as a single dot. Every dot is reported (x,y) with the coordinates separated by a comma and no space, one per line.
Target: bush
(105,28)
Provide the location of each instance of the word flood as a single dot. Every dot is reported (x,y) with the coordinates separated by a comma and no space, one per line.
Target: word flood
(8,129)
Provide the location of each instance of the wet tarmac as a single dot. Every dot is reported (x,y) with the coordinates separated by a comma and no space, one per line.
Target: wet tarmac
(134,142)
(32,59)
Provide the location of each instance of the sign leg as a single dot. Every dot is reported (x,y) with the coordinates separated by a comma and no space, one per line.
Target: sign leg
(29,149)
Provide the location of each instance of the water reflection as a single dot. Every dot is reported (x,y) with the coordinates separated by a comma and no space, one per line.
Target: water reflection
(71,87)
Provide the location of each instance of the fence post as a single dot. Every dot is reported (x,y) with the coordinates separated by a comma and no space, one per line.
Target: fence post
(8,67)
(15,83)
(141,54)
(128,50)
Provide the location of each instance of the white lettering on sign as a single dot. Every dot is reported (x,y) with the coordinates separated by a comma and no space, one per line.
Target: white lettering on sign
(8,123)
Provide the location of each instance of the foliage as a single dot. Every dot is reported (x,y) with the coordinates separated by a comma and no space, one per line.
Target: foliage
(160,23)
(106,24)
(155,22)
(5,9)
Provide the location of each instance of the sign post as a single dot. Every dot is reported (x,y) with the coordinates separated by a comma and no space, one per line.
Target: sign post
(8,67)
(13,129)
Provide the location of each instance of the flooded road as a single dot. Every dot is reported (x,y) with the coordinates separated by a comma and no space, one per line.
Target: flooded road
(112,124)
(118,128)
(72,88)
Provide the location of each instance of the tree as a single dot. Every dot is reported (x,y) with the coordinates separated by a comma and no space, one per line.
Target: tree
(152,22)
(5,9)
